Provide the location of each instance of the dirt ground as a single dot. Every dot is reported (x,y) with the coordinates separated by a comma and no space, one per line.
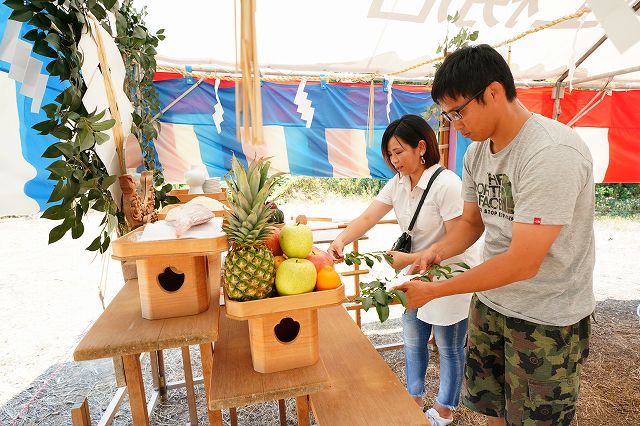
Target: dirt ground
(49,298)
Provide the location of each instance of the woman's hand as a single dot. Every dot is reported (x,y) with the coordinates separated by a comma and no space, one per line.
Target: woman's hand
(401,259)
(418,293)
(335,251)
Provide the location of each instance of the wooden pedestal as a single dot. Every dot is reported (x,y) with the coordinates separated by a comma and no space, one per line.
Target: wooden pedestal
(174,276)
(172,286)
(283,331)
(284,340)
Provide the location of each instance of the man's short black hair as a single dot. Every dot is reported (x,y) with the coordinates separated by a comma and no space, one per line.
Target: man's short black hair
(470,69)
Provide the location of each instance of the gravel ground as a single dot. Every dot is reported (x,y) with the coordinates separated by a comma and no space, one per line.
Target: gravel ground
(49,298)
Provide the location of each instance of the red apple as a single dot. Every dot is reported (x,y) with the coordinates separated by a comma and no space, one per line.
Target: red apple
(320,258)
(273,242)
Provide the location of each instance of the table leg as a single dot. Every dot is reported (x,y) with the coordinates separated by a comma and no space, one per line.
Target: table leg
(356,283)
(188,381)
(153,360)
(233,416)
(135,388)
(282,410)
(206,355)
(302,406)
(162,379)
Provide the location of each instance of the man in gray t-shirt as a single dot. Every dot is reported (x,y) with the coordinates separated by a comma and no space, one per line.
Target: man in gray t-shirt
(529,188)
(543,177)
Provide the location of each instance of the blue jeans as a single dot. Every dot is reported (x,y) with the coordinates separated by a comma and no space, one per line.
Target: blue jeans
(450,341)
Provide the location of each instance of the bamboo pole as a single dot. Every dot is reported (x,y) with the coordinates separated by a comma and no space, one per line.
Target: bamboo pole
(443,142)
(258,139)
(250,87)
(117,130)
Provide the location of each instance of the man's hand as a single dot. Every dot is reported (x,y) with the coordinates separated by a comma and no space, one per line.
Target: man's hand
(425,259)
(400,259)
(418,293)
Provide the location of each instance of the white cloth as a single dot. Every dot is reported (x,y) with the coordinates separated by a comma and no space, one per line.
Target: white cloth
(443,203)
(162,230)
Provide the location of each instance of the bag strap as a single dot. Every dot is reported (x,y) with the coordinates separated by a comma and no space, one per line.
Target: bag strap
(424,195)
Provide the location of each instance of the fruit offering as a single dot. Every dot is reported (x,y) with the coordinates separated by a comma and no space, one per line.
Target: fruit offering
(295,276)
(328,279)
(296,240)
(249,268)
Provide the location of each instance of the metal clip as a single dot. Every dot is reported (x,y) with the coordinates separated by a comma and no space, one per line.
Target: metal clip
(189,77)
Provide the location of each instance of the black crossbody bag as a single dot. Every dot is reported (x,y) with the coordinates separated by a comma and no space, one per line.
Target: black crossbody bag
(403,243)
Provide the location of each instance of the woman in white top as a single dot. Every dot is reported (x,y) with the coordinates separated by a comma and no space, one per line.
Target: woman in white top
(410,148)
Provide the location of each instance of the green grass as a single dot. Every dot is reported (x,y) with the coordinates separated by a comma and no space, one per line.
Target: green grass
(612,199)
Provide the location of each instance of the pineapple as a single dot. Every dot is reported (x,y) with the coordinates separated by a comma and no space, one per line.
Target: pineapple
(249,268)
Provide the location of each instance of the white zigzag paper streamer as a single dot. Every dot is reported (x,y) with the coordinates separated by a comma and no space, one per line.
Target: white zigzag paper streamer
(24,68)
(217,109)
(389,100)
(304,105)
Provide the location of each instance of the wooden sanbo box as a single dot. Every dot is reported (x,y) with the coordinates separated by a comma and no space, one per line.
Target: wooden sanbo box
(283,331)
(174,276)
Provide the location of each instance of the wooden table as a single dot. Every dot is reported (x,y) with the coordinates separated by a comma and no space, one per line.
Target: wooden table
(236,384)
(122,332)
(364,390)
(350,385)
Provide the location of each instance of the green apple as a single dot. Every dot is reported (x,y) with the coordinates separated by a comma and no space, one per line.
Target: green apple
(295,276)
(296,240)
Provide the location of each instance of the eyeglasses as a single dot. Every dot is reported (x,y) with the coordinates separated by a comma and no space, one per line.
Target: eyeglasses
(454,114)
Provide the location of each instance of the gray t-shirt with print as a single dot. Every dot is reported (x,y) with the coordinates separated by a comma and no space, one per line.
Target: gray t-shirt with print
(544,176)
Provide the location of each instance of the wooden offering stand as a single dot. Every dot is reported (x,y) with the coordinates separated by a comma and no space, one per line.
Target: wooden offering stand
(283,330)
(184,197)
(174,276)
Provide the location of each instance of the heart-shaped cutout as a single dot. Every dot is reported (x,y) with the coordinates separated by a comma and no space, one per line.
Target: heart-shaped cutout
(171,279)
(287,330)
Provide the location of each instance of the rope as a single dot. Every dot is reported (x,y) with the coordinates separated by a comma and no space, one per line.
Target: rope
(60,363)
(368,77)
(35,396)
(549,24)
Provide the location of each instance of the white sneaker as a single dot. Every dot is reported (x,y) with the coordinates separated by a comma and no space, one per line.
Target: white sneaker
(435,419)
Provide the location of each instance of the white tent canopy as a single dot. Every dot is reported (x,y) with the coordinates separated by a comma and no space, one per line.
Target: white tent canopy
(384,37)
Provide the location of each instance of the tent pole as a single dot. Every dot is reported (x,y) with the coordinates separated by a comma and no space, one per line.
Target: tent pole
(289,76)
(608,74)
(179,98)
(595,100)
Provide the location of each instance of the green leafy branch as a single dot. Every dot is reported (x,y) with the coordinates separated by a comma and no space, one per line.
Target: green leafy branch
(374,293)
(82,180)
(438,272)
(355,258)
(464,36)
(461,39)
(138,47)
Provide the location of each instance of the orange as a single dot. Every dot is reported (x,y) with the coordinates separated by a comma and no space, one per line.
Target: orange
(278,260)
(328,279)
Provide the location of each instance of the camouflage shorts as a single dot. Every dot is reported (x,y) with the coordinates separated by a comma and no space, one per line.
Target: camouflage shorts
(525,372)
